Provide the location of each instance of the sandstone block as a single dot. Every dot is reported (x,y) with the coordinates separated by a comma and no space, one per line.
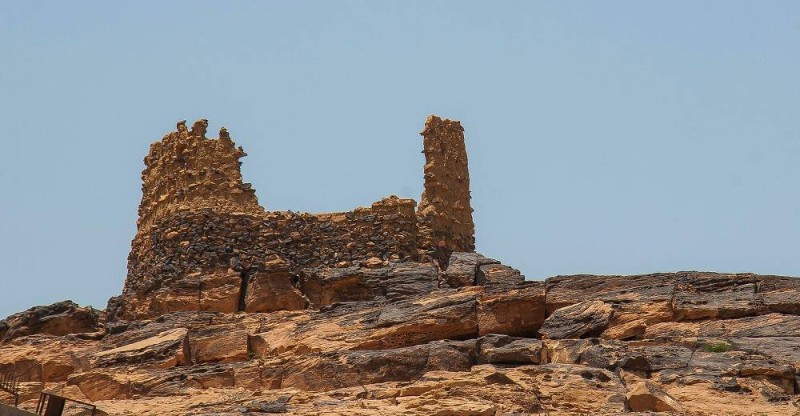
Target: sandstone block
(517,310)
(167,349)
(780,294)
(462,268)
(647,397)
(221,343)
(634,290)
(325,286)
(503,349)
(441,315)
(273,291)
(585,319)
(769,325)
(706,296)
(58,319)
(498,274)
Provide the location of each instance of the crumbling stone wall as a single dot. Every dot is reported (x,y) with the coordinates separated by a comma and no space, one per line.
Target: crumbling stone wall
(386,230)
(204,243)
(193,252)
(187,171)
(445,213)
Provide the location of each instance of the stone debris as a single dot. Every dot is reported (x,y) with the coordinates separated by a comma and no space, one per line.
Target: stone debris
(230,309)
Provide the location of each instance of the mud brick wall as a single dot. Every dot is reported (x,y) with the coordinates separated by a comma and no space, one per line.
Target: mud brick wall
(445,213)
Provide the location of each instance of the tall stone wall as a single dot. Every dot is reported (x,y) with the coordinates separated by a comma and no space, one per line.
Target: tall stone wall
(445,213)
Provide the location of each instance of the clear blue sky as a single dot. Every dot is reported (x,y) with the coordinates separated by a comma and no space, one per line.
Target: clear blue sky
(604,137)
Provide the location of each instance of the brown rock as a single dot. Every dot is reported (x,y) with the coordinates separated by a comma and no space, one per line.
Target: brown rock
(271,291)
(444,212)
(462,268)
(98,385)
(60,318)
(780,294)
(443,314)
(584,319)
(502,349)
(221,343)
(167,349)
(214,291)
(514,310)
(648,397)
(770,325)
(634,290)
(706,295)
(44,358)
(498,274)
(638,301)
(325,286)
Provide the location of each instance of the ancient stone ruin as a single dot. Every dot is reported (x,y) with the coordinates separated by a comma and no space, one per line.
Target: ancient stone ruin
(231,309)
(204,243)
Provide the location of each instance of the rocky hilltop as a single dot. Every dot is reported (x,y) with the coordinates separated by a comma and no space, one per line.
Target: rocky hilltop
(231,309)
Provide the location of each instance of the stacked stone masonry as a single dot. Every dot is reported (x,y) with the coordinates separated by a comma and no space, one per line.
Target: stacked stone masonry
(204,242)
(186,171)
(445,213)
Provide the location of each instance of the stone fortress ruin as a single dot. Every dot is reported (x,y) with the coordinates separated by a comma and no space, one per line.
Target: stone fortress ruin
(231,309)
(203,242)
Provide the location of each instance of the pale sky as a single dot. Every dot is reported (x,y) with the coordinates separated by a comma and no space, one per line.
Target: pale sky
(604,137)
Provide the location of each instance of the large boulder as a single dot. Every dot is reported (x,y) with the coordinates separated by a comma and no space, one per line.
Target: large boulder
(715,296)
(503,349)
(61,318)
(512,310)
(581,320)
(395,280)
(166,349)
(271,288)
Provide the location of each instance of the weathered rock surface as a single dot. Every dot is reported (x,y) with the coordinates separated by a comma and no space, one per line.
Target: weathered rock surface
(60,318)
(326,285)
(462,269)
(481,349)
(229,309)
(167,349)
(585,319)
(511,309)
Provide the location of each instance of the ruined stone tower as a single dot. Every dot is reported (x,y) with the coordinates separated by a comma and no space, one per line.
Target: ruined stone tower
(444,212)
(187,171)
(204,243)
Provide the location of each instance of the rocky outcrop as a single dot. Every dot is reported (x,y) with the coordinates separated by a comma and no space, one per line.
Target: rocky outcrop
(515,310)
(377,280)
(462,269)
(481,349)
(166,349)
(60,318)
(229,309)
(585,319)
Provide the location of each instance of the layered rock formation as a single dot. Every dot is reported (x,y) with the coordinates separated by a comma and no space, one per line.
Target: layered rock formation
(229,309)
